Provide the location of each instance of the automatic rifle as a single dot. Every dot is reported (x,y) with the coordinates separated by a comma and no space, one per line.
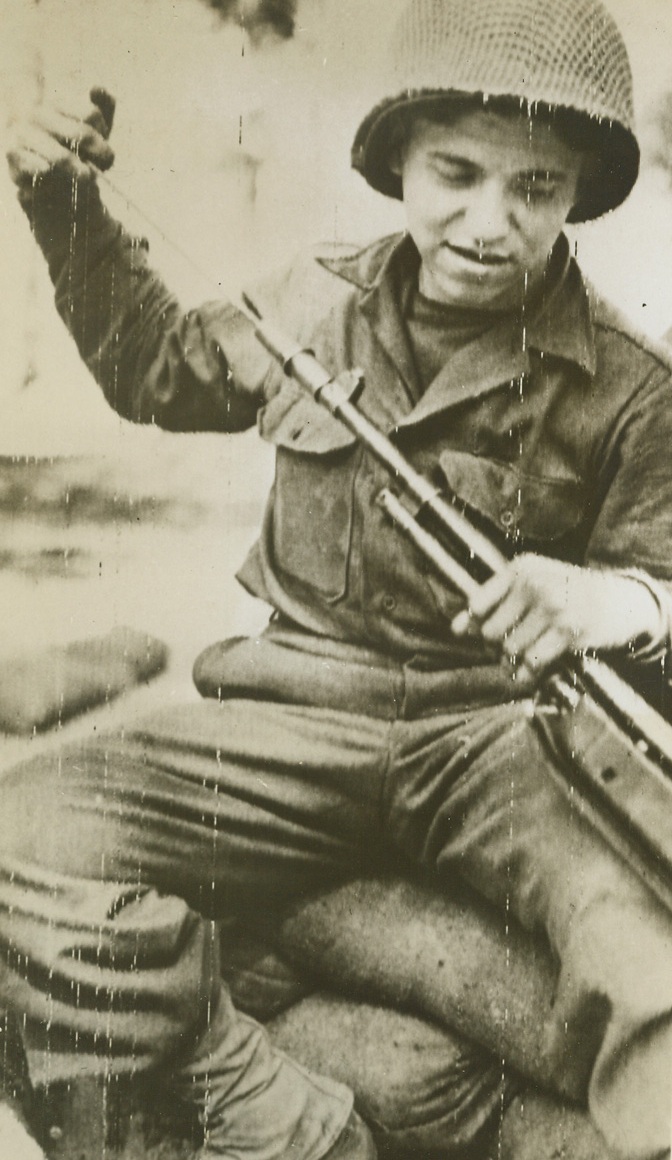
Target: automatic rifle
(617,748)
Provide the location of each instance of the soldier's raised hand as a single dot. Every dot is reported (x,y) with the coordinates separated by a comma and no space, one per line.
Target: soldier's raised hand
(75,143)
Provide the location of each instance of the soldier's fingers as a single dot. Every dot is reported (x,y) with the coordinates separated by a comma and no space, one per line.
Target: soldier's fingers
(53,147)
(30,137)
(529,628)
(82,138)
(466,624)
(75,134)
(549,648)
(514,607)
(25,166)
(483,603)
(490,595)
(31,143)
(102,118)
(62,126)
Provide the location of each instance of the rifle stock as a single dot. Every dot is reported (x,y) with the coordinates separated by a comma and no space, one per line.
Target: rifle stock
(615,753)
(614,749)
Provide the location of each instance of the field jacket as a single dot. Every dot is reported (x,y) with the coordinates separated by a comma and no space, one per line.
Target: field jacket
(554,431)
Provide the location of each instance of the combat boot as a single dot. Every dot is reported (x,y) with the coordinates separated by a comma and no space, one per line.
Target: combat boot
(255,1103)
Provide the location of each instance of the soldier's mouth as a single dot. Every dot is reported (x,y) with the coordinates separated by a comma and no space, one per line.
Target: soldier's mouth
(478,257)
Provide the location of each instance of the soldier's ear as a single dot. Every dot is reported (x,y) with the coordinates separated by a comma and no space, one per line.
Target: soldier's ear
(399,137)
(396,161)
(590,173)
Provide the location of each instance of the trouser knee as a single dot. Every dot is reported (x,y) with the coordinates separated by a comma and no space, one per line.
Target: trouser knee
(52,815)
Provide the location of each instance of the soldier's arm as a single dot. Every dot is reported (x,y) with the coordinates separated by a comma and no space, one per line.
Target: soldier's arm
(187,372)
(620,601)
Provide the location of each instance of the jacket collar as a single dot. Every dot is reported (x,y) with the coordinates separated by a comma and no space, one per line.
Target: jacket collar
(561,327)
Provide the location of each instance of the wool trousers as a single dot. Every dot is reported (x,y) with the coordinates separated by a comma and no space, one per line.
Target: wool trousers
(117,854)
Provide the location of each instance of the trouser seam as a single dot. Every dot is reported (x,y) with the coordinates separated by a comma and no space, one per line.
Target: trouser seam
(386,771)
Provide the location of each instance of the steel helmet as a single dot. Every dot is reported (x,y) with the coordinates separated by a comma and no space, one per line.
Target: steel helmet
(564,57)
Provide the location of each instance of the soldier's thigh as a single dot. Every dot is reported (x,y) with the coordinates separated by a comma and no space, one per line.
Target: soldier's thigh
(221,803)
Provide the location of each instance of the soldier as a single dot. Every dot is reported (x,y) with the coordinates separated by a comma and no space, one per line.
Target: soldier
(375,716)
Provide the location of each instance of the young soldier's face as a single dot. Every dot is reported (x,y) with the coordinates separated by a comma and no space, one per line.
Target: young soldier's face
(486,198)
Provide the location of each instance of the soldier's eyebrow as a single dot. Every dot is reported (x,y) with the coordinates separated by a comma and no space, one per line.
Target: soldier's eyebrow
(454,158)
(533,174)
(543,174)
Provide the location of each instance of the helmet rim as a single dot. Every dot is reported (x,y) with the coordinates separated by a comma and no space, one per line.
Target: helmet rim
(610,182)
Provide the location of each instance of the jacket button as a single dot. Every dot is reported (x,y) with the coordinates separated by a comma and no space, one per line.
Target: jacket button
(507,518)
(389,602)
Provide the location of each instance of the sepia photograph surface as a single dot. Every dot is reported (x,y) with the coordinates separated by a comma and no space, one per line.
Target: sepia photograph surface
(336,579)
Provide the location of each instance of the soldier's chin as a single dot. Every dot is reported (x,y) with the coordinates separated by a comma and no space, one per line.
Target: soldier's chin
(459,288)
(460,278)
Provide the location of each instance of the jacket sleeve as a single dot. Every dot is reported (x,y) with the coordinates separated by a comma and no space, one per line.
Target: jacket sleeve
(633,530)
(199,371)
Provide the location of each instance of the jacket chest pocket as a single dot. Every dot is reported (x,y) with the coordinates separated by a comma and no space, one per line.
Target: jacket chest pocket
(522,511)
(313,497)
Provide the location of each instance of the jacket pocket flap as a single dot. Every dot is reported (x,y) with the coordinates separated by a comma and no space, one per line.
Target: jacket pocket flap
(529,507)
(293,420)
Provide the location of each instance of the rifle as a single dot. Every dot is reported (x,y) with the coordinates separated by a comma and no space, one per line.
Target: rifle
(616,749)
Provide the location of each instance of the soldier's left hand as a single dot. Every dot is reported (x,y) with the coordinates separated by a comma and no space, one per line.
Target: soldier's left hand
(48,138)
(539,610)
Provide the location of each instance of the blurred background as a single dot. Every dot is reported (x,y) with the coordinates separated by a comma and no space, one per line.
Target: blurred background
(233,129)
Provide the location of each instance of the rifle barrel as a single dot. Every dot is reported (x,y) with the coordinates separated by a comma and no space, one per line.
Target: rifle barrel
(336,394)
